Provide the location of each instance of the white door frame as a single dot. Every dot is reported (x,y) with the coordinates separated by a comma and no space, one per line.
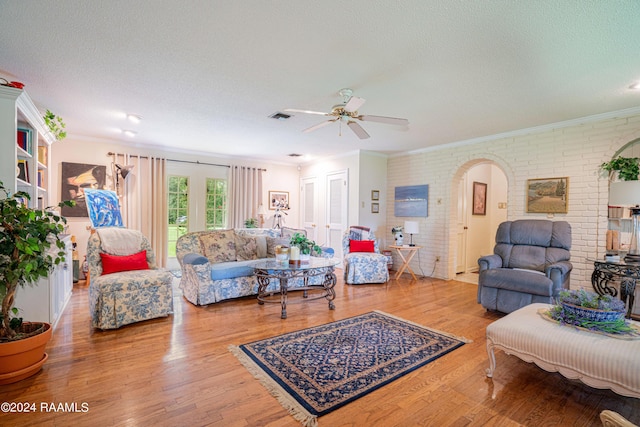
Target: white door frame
(337,209)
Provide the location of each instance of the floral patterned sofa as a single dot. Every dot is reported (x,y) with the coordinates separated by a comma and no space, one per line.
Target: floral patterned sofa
(126,296)
(363,267)
(216,264)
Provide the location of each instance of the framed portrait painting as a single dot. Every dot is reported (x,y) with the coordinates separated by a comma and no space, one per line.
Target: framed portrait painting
(278,199)
(548,195)
(76,177)
(479,198)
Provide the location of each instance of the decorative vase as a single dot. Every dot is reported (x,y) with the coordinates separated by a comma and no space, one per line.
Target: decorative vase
(399,238)
(305,258)
(282,254)
(23,358)
(592,314)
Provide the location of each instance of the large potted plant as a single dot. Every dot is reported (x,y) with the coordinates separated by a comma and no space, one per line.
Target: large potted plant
(30,247)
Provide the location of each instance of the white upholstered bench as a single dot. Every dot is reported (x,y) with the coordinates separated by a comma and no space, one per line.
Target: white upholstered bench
(597,360)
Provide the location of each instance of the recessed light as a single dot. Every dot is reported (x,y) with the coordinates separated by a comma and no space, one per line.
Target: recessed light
(130,133)
(134,118)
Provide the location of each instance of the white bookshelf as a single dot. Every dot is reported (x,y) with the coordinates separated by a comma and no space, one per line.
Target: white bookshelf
(24,169)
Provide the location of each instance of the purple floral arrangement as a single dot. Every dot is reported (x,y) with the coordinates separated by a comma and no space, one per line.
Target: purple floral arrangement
(580,308)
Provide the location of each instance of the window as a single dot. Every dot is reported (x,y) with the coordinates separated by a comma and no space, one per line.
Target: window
(216,204)
(178,204)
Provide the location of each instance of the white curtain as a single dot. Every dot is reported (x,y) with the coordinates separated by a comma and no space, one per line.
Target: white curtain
(245,194)
(143,199)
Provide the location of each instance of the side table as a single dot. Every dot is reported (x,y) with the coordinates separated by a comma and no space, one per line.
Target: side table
(605,272)
(411,251)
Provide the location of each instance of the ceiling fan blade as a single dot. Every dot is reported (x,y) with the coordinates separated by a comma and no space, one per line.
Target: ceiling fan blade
(293,110)
(353,104)
(319,125)
(383,119)
(358,130)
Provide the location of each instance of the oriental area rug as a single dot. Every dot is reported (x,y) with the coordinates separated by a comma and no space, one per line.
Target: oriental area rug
(317,370)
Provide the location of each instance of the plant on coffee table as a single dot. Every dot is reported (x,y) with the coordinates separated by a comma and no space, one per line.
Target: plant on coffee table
(601,313)
(306,245)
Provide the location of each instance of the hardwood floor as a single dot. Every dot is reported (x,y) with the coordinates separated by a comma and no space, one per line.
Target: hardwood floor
(177,371)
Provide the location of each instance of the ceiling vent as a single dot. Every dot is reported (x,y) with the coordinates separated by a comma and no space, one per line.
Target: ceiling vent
(280,116)
(294,155)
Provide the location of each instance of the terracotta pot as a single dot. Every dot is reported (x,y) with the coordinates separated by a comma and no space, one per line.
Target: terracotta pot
(24,358)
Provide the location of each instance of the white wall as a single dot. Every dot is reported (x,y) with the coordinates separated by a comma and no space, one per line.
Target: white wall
(372,175)
(348,162)
(367,171)
(573,149)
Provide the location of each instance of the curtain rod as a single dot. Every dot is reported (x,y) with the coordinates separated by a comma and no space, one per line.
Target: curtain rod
(196,162)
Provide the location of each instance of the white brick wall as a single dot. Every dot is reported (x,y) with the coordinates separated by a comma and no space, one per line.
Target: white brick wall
(575,150)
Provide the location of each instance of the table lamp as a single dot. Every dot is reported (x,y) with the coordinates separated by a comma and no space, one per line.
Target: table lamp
(261,214)
(627,193)
(412,228)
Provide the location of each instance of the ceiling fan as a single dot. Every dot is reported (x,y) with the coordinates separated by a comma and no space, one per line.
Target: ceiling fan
(347,112)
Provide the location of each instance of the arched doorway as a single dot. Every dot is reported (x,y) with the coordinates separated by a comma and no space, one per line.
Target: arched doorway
(474,227)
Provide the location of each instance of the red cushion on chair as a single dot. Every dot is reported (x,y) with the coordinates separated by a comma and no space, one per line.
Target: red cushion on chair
(361,246)
(115,264)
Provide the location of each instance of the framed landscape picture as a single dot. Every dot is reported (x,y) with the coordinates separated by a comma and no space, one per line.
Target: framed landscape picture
(411,200)
(548,195)
(278,199)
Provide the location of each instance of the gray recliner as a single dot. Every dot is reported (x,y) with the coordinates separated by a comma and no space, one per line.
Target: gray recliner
(530,264)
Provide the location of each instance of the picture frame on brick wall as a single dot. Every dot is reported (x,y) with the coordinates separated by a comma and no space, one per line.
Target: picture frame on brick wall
(548,195)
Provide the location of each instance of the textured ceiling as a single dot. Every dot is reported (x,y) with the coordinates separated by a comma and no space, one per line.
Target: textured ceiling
(205,75)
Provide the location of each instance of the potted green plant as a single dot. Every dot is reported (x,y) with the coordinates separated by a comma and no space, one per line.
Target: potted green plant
(30,247)
(306,245)
(55,125)
(627,168)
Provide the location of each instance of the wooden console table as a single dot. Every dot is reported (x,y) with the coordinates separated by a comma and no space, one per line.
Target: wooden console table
(411,251)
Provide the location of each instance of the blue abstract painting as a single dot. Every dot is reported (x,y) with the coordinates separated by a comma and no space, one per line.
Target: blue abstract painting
(411,200)
(104,208)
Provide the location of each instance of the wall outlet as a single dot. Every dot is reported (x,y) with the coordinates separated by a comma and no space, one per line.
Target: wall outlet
(437,259)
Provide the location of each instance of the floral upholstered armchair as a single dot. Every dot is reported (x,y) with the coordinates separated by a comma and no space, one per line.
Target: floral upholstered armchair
(125,286)
(363,262)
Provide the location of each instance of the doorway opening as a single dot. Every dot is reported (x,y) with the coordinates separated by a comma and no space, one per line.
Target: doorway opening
(479,205)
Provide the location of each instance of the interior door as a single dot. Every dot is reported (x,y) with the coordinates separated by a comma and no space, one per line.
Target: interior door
(461,226)
(337,212)
(309,206)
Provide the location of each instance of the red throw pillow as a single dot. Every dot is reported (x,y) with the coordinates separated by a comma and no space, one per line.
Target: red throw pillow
(115,264)
(361,246)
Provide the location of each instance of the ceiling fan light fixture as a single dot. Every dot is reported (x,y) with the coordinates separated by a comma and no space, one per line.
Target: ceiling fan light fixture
(347,112)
